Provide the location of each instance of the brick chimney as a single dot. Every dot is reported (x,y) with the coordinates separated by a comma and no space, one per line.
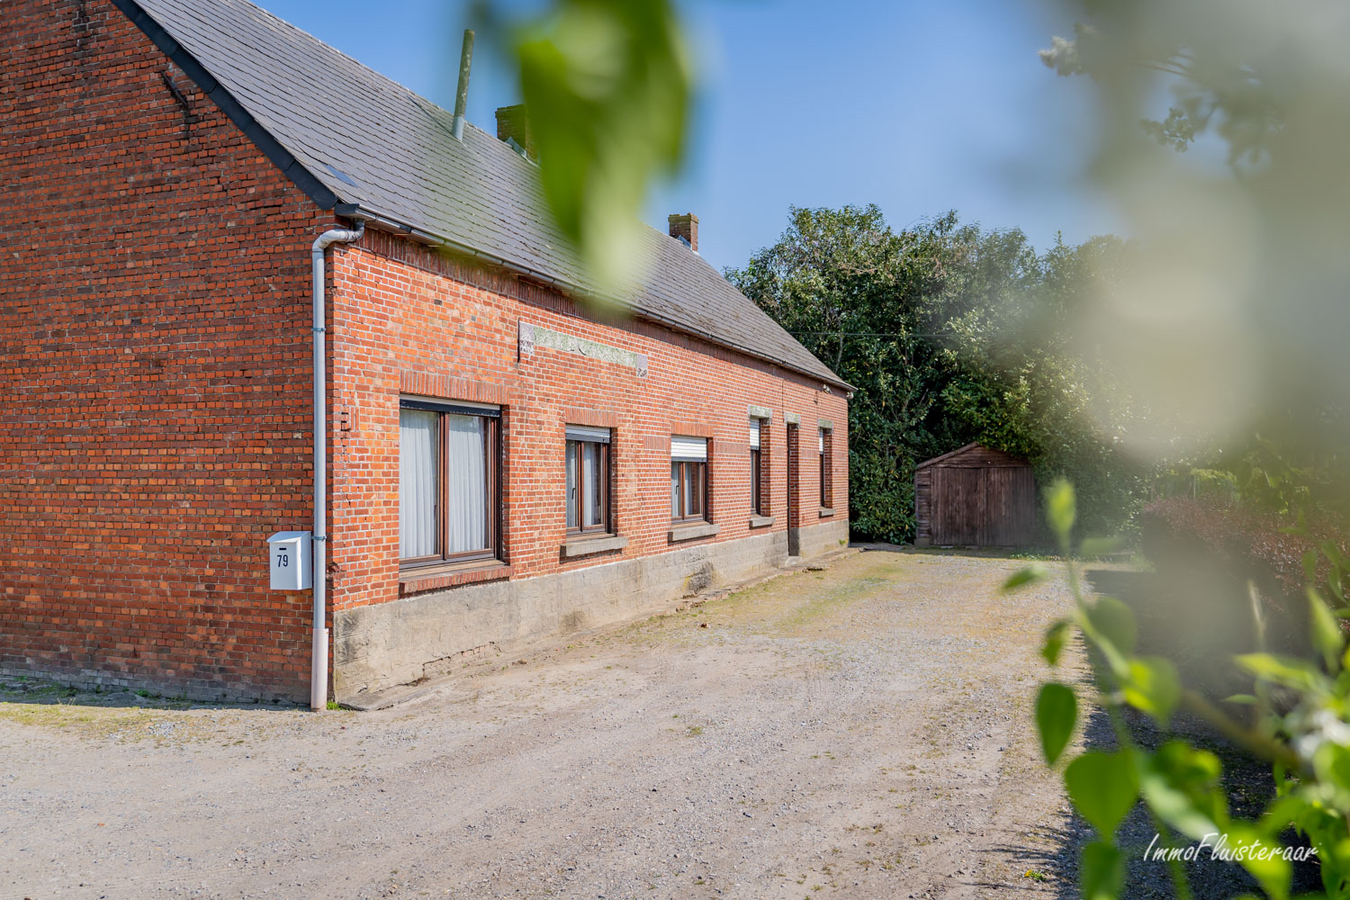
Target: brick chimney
(684,228)
(512,125)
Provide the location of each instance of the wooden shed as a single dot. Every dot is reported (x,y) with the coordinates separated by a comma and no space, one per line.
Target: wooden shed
(975,497)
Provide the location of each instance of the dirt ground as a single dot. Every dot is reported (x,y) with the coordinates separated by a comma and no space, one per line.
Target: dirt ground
(861,731)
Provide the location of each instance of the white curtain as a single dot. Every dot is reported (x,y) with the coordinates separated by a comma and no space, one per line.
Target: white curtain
(417,488)
(466,484)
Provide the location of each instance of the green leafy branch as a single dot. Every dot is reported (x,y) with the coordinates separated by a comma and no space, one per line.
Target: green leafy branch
(1180,784)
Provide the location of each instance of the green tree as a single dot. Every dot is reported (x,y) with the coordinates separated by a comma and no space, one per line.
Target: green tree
(1028,387)
(866,300)
(950,335)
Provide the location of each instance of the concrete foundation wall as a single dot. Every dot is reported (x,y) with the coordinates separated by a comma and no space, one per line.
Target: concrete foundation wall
(425,635)
(829,535)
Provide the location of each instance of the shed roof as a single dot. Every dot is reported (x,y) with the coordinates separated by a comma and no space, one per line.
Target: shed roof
(364,145)
(975,451)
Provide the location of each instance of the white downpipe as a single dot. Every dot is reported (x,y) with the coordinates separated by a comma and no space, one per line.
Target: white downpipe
(318,681)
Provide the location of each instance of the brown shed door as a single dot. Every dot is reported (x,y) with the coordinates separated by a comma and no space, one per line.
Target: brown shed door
(958,505)
(985,507)
(1010,498)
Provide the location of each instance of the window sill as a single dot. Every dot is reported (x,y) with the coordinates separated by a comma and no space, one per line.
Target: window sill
(682,532)
(586,545)
(761,521)
(414,581)
(826,512)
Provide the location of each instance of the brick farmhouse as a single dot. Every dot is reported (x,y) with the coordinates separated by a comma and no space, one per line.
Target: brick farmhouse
(503,462)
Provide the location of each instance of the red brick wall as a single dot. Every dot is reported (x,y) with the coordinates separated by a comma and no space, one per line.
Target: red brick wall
(154,368)
(405,316)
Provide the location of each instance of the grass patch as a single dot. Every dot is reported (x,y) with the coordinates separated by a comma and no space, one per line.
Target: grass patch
(92,721)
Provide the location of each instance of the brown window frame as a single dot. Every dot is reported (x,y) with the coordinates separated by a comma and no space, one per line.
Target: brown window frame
(679,470)
(681,466)
(493,459)
(760,482)
(826,463)
(756,489)
(606,518)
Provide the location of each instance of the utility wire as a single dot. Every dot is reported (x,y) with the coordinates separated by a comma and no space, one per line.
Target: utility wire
(867,334)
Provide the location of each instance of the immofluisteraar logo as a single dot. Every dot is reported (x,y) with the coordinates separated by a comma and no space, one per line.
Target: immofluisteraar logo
(1221,848)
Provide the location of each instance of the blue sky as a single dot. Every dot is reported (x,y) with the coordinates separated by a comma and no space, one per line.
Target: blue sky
(917,107)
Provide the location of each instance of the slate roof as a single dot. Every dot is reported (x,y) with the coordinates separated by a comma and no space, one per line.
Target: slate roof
(368,147)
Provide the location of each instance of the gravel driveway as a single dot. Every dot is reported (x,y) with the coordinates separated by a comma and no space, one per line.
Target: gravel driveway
(860,731)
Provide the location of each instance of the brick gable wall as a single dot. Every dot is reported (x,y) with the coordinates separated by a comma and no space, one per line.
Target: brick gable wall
(154,365)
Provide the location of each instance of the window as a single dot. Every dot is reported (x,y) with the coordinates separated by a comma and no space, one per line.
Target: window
(825,491)
(688,479)
(449,472)
(587,479)
(757,474)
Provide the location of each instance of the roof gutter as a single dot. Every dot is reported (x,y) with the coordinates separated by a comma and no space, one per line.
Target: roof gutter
(388,223)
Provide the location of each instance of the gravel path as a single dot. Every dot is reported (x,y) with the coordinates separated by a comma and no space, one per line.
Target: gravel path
(861,731)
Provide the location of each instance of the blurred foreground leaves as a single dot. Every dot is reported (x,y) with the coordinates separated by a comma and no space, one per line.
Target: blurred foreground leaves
(1222,130)
(951,334)
(606,86)
(1231,327)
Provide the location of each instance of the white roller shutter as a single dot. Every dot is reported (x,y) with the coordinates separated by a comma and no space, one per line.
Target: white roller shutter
(586,433)
(754,434)
(688,449)
(822,440)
